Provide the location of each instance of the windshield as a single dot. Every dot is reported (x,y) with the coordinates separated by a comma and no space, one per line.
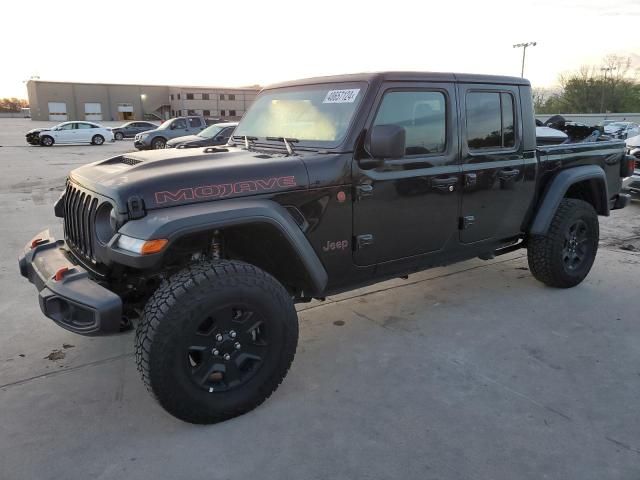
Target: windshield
(211,131)
(617,125)
(317,115)
(166,123)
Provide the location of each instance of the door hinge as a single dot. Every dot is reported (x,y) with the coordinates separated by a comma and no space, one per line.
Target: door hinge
(466,222)
(364,190)
(136,207)
(363,241)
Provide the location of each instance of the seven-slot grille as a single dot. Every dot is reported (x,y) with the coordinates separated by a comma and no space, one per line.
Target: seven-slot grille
(79,220)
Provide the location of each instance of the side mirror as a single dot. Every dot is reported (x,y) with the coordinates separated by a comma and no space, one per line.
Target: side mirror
(387,141)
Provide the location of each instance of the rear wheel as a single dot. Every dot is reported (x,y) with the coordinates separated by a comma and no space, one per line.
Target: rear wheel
(46,141)
(158,143)
(97,140)
(119,136)
(216,340)
(564,256)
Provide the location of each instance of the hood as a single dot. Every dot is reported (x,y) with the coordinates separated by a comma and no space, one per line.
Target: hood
(186,138)
(170,177)
(38,130)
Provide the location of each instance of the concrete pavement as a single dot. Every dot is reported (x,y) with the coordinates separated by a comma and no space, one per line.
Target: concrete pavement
(474,371)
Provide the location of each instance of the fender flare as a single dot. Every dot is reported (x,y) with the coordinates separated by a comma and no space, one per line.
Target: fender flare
(557,189)
(174,222)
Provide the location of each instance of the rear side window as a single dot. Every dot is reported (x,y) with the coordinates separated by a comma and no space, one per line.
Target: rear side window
(194,122)
(423,116)
(490,120)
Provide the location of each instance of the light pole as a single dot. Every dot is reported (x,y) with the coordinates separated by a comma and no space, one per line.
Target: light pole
(524,52)
(142,99)
(604,82)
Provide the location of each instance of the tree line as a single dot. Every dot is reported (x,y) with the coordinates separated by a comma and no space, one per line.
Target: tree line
(611,87)
(12,105)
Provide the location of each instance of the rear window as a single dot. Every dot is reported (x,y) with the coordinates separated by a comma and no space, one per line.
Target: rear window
(490,120)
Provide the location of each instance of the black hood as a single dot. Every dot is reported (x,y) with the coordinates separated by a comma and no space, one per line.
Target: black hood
(165,178)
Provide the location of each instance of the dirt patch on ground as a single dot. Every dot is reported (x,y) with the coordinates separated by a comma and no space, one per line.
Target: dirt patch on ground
(55,355)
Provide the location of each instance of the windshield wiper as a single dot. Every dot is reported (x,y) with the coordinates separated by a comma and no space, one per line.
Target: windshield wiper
(244,138)
(287,143)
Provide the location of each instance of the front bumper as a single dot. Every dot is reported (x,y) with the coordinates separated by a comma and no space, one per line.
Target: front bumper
(74,302)
(141,145)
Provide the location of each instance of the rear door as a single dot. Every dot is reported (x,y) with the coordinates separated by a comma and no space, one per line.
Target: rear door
(83,132)
(495,198)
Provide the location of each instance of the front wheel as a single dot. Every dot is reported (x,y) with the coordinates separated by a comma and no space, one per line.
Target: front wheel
(216,340)
(564,256)
(119,136)
(158,143)
(46,141)
(97,140)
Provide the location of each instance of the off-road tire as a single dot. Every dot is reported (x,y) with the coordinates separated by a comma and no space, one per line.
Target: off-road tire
(158,143)
(546,252)
(169,318)
(119,136)
(97,140)
(47,141)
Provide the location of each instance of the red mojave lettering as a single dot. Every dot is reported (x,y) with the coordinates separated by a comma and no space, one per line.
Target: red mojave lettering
(224,189)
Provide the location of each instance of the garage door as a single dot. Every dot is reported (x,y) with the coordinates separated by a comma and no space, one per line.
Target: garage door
(93,111)
(57,111)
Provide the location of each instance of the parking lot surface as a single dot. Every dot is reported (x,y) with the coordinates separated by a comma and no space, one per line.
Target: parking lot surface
(474,371)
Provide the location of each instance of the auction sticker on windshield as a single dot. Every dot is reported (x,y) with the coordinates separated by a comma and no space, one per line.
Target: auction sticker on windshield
(341,96)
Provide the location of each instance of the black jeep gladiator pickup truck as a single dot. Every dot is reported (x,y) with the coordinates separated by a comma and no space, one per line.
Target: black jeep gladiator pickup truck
(327,185)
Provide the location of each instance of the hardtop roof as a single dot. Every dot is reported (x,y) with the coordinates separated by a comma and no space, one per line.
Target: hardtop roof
(407,77)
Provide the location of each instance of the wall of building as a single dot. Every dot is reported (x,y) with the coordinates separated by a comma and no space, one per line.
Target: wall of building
(138,100)
(223,103)
(143,99)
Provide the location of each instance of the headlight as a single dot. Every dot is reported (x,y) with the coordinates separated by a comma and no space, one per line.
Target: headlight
(105,230)
(141,247)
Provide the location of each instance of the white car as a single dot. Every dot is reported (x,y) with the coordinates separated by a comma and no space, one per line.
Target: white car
(76,132)
(622,130)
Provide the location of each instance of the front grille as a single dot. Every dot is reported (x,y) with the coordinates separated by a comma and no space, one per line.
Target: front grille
(79,219)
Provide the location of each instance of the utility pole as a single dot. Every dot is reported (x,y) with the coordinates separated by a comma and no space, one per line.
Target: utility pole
(524,52)
(604,82)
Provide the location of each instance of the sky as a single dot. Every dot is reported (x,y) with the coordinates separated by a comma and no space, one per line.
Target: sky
(239,43)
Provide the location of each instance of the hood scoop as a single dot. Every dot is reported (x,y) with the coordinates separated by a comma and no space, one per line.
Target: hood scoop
(122,159)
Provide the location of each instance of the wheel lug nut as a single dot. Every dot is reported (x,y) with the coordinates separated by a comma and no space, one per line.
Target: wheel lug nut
(232,334)
(215,351)
(237,345)
(227,356)
(219,337)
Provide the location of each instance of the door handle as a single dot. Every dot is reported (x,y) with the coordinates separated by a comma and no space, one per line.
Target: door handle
(447,184)
(508,174)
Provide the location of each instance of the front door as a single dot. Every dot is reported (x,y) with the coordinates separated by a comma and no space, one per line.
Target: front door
(409,206)
(495,197)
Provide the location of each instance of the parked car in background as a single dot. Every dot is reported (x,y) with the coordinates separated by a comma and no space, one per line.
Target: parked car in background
(632,183)
(622,130)
(131,129)
(70,132)
(217,134)
(33,135)
(172,128)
